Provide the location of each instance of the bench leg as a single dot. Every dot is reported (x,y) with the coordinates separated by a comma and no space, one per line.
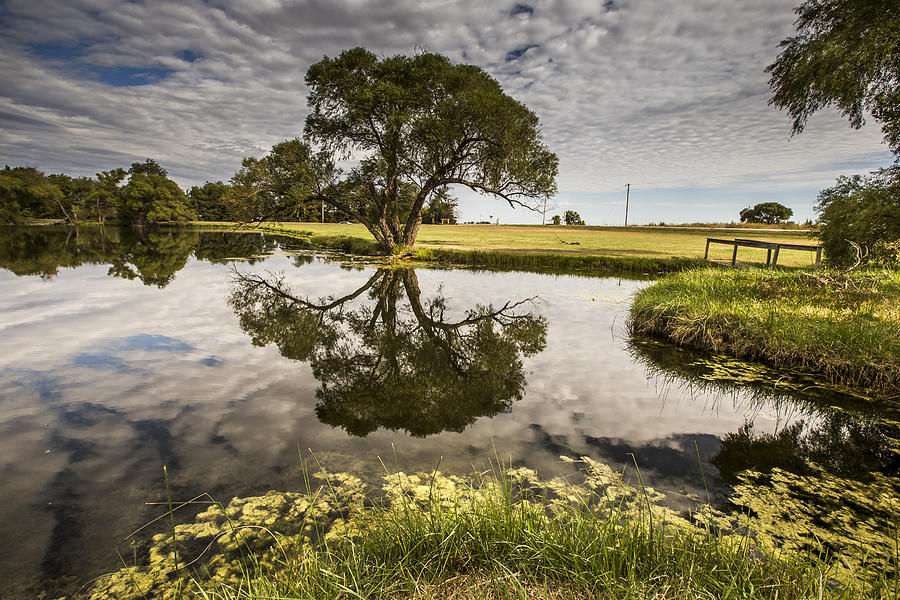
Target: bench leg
(768,257)
(734,256)
(775,257)
(706,254)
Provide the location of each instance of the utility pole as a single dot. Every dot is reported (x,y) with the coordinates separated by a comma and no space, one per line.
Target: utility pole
(627,197)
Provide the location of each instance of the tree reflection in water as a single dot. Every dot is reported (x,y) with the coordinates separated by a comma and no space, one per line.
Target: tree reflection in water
(387,358)
(153,256)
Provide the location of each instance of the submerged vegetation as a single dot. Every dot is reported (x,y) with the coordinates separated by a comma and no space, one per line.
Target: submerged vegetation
(507,534)
(842,327)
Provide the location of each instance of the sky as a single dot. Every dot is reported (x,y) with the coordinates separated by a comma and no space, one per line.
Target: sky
(669,96)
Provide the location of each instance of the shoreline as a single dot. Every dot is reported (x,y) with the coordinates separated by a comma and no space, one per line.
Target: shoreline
(842,327)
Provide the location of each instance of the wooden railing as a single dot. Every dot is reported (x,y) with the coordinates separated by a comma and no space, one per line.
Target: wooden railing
(772,248)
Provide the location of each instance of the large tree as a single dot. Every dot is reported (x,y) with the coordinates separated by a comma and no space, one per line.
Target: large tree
(846,54)
(766,212)
(421,123)
(151,197)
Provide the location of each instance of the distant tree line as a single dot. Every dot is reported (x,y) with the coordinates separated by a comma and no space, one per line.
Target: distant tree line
(140,196)
(144,195)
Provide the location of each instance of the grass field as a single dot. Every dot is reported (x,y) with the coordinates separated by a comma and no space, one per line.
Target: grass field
(644,242)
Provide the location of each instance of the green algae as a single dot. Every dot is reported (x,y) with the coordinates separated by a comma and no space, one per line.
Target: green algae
(855,524)
(224,544)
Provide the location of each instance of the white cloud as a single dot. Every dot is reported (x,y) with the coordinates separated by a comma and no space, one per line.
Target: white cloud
(665,95)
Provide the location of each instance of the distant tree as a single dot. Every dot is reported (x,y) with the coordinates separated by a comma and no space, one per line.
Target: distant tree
(423,123)
(76,193)
(549,205)
(572,218)
(441,205)
(148,167)
(149,197)
(212,202)
(286,184)
(108,192)
(556,220)
(26,193)
(845,55)
(766,212)
(864,210)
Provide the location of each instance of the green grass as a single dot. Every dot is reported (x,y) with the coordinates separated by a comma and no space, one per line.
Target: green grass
(649,250)
(501,535)
(843,327)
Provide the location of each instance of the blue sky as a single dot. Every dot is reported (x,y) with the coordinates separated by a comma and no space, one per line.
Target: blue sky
(667,95)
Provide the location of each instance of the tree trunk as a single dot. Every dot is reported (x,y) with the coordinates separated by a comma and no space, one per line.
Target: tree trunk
(411,232)
(65,214)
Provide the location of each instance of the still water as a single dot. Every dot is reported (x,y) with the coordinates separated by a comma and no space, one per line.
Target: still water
(226,357)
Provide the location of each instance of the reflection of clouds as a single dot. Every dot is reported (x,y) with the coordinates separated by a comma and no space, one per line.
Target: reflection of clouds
(115,380)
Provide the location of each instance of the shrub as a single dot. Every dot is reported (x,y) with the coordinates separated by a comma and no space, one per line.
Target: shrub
(864,210)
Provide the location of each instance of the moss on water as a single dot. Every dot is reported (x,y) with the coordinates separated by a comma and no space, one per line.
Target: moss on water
(224,544)
(856,522)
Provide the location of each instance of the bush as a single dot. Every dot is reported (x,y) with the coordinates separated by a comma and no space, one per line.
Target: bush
(864,210)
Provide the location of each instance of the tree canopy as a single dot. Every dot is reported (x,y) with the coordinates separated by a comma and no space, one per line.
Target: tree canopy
(766,212)
(846,54)
(421,123)
(27,193)
(288,183)
(151,197)
(571,217)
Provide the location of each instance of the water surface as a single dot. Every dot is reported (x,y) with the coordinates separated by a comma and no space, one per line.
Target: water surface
(225,356)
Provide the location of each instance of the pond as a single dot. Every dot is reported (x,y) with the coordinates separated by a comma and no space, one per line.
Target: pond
(233,359)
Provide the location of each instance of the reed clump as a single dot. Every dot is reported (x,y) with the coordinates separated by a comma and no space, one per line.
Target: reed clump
(840,326)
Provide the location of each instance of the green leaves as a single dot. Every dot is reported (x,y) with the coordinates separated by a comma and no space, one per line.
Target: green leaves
(865,211)
(152,198)
(766,212)
(846,54)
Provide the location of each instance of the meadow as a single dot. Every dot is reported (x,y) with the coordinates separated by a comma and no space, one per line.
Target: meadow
(660,243)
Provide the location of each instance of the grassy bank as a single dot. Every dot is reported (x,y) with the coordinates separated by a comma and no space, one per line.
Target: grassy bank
(842,327)
(510,535)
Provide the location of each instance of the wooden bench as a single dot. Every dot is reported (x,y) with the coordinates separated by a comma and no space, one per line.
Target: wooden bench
(772,248)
